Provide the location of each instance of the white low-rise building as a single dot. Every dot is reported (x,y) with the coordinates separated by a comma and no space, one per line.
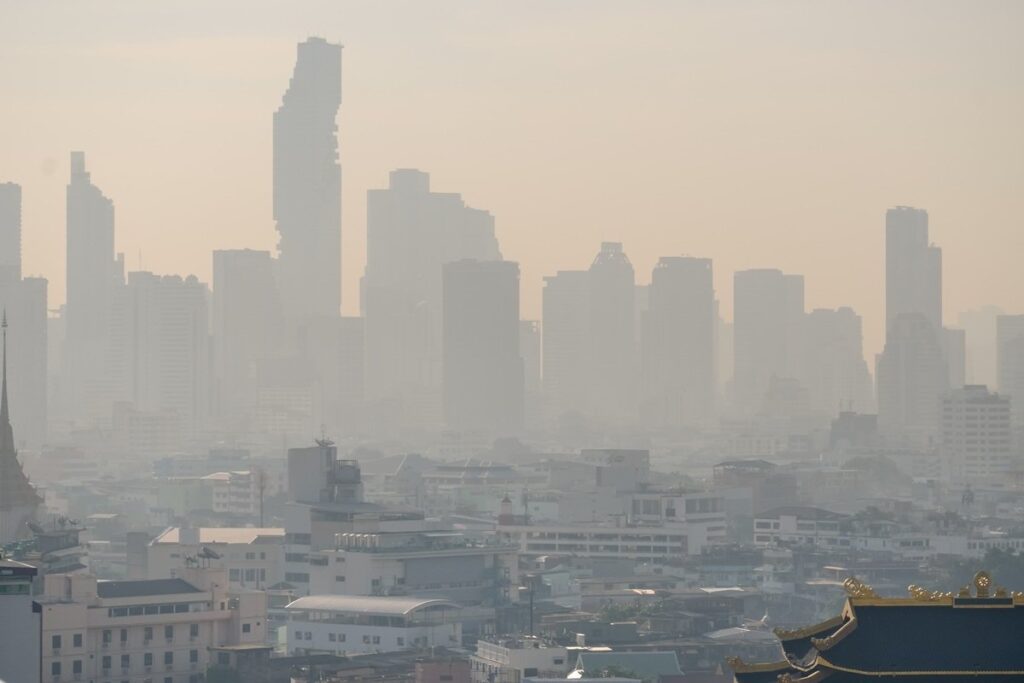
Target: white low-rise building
(349,624)
(253,557)
(513,659)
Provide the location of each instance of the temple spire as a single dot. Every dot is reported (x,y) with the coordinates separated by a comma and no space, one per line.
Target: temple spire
(6,432)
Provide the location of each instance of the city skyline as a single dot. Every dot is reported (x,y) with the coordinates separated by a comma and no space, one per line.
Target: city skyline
(793,218)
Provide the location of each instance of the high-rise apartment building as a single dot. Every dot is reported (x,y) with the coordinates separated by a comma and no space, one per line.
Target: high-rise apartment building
(678,344)
(835,373)
(768,316)
(307,183)
(483,370)
(411,233)
(24,302)
(10,232)
(976,442)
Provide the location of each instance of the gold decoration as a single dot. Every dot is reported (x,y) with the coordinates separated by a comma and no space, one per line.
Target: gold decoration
(924,595)
(964,592)
(785,678)
(982,584)
(855,588)
(1001,592)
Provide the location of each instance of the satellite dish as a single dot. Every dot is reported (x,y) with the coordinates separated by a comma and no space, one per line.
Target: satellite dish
(36,528)
(208,554)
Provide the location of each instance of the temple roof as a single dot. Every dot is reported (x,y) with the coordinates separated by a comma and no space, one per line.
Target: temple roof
(17,496)
(929,635)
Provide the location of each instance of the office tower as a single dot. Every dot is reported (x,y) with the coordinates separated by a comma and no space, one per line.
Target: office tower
(25,304)
(835,373)
(913,267)
(768,311)
(307,183)
(975,435)
(980,327)
(168,348)
(529,349)
(411,233)
(912,370)
(248,325)
(10,232)
(18,500)
(1010,364)
(612,353)
(678,344)
(565,332)
(483,371)
(93,274)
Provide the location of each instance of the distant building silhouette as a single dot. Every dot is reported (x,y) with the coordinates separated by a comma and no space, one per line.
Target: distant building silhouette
(248,327)
(483,369)
(411,233)
(678,344)
(834,369)
(93,275)
(912,371)
(1010,367)
(565,342)
(979,326)
(768,317)
(975,441)
(10,232)
(612,339)
(530,351)
(307,183)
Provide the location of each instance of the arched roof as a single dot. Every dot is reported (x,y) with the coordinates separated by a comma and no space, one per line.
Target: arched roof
(363,604)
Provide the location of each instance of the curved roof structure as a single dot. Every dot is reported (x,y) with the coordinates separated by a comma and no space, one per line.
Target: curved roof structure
(372,605)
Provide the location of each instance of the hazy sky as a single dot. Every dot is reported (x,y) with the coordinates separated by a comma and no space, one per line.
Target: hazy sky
(761,134)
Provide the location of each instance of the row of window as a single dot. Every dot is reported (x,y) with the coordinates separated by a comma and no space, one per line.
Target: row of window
(174,608)
(107,662)
(147,634)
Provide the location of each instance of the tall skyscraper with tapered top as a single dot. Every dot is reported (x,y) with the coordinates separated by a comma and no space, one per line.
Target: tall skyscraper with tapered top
(307,183)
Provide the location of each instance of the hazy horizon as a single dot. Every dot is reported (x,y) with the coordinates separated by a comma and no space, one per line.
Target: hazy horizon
(756,136)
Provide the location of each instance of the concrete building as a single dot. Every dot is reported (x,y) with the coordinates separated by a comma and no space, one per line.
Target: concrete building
(482,368)
(24,302)
(1010,365)
(511,660)
(612,337)
(141,631)
(678,345)
(253,557)
(307,184)
(10,232)
(799,525)
(20,625)
(975,439)
(347,625)
(834,371)
(566,326)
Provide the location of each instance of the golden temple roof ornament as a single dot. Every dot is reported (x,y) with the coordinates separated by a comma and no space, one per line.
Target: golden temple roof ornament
(855,588)
(925,595)
(982,584)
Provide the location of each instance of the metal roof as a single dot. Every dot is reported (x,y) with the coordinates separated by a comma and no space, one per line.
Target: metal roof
(362,604)
(138,589)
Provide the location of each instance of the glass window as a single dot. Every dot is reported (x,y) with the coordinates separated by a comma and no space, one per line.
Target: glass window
(147,659)
(193,630)
(107,635)
(76,666)
(55,669)
(124,635)
(193,656)
(246,628)
(106,661)
(55,642)
(169,632)
(147,633)
(126,661)
(77,640)
(168,658)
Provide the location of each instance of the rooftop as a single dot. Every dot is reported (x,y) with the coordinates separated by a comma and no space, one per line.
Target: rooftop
(138,589)
(240,535)
(369,605)
(802,511)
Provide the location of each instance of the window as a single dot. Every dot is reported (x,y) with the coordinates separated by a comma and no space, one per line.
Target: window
(234,575)
(298,635)
(124,635)
(366,640)
(340,579)
(147,659)
(168,679)
(107,636)
(168,658)
(246,628)
(309,636)
(401,642)
(55,642)
(126,661)
(169,632)
(341,637)
(193,656)
(76,666)
(376,640)
(55,669)
(250,556)
(147,633)
(331,637)
(193,630)
(106,661)
(76,640)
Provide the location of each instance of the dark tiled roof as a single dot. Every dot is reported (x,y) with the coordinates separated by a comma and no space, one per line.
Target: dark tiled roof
(138,589)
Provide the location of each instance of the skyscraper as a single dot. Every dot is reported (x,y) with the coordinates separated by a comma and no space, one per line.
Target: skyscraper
(307,183)
(768,312)
(483,369)
(411,233)
(247,325)
(612,356)
(912,370)
(1010,365)
(25,303)
(93,274)
(835,373)
(10,232)
(564,338)
(678,344)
